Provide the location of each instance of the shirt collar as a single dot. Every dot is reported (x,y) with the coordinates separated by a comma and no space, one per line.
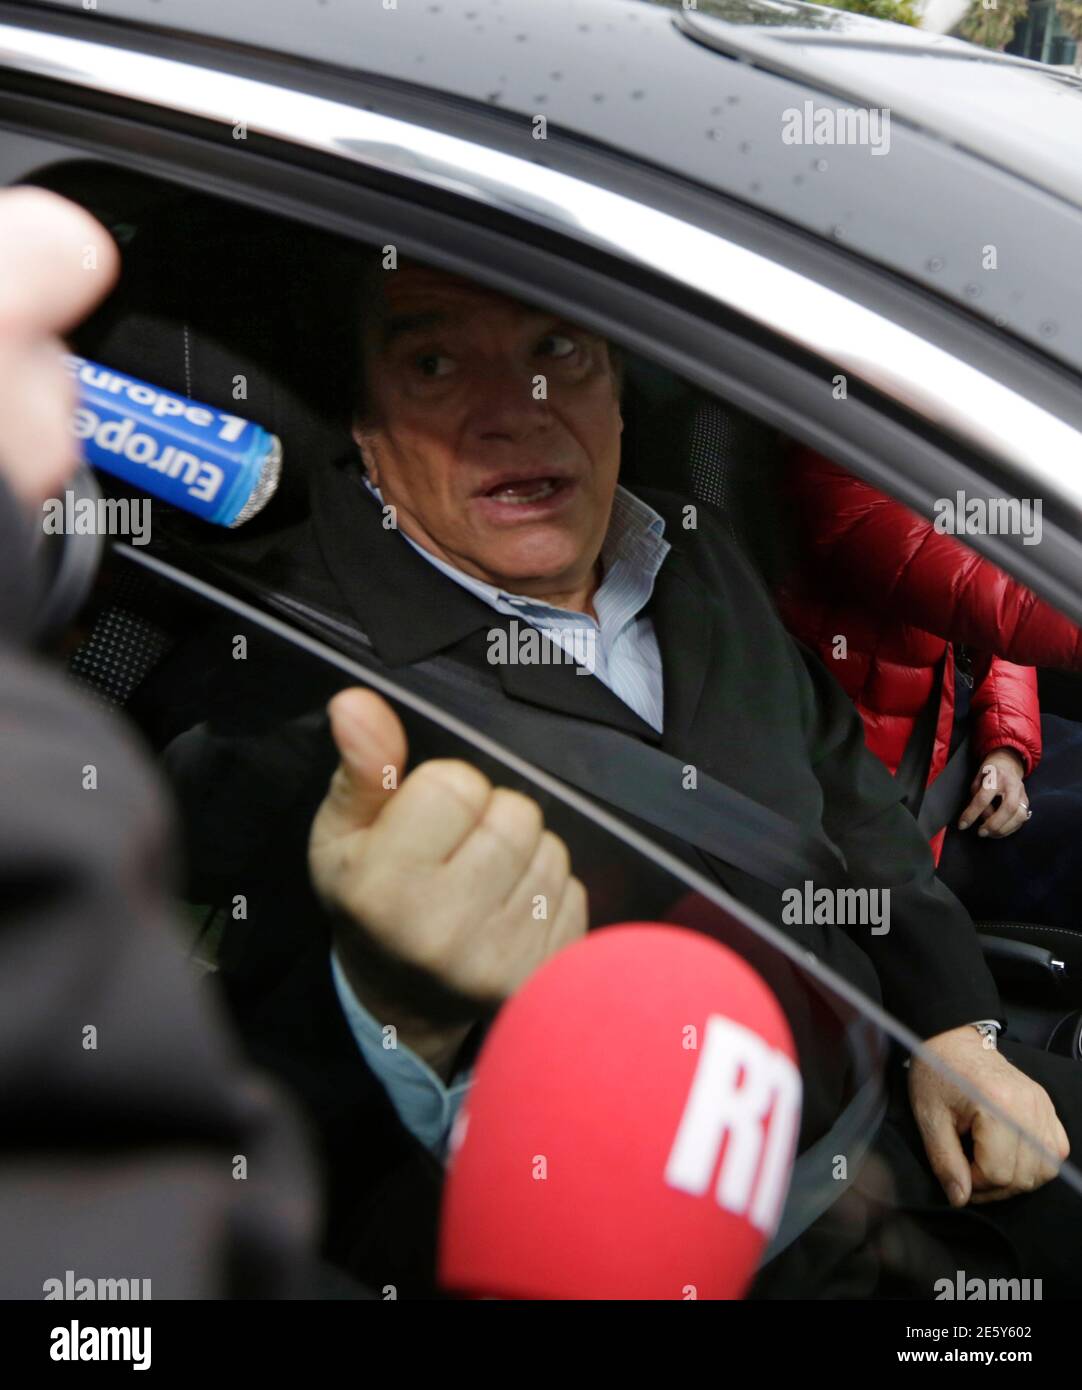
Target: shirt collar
(634,544)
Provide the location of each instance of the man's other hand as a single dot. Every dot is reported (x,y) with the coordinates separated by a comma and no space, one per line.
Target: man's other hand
(1004,1164)
(444,872)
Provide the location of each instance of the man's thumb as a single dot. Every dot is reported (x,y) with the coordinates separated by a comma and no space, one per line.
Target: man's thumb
(945,1153)
(373,747)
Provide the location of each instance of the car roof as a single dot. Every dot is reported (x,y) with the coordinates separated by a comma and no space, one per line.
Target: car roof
(983,167)
(522,55)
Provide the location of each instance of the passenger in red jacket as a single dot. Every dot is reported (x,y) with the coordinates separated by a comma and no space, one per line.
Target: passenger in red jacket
(889,602)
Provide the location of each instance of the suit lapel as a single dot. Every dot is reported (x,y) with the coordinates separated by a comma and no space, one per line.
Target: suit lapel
(683,620)
(562,688)
(410,611)
(682,610)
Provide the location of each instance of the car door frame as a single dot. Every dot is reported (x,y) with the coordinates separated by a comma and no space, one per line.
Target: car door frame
(352,183)
(327,161)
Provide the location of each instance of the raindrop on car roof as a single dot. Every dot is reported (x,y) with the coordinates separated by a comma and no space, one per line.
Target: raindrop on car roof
(1049,328)
(820,166)
(934,263)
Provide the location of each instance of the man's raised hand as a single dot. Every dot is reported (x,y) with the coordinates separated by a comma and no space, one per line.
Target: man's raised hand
(444,873)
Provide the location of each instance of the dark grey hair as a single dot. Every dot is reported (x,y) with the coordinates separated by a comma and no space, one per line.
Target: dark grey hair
(372,308)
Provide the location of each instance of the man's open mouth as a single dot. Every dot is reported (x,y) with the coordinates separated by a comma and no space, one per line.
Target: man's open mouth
(525,490)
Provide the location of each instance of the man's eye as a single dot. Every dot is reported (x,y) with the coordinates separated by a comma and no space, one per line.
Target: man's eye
(557,345)
(434,364)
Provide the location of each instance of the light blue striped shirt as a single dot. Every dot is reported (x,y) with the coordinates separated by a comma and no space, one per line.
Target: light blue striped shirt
(621,649)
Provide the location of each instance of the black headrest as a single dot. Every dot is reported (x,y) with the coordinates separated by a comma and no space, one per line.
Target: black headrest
(682,439)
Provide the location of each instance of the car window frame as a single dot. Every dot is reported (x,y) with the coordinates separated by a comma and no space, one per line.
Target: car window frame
(907,453)
(743,363)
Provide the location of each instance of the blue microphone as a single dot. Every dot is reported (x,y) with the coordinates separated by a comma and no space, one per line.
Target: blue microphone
(220,467)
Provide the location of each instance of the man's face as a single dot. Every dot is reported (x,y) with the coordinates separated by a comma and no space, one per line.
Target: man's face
(508,488)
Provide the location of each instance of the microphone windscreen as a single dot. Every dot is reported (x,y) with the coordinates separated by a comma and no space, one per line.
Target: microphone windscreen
(220,467)
(630,1129)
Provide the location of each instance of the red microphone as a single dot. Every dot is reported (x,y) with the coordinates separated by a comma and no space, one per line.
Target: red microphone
(631,1127)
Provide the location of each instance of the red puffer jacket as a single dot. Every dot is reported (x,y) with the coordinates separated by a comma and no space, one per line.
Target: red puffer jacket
(899,593)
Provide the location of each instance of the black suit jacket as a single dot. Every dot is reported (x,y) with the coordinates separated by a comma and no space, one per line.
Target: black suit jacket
(743,702)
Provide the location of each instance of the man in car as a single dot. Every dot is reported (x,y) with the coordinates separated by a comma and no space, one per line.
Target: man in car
(489,500)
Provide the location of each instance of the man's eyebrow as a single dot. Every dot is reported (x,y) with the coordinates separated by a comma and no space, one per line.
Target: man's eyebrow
(399,325)
(570,326)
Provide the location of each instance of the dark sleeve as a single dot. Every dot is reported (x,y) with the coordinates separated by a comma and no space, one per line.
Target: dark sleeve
(136,1145)
(930,966)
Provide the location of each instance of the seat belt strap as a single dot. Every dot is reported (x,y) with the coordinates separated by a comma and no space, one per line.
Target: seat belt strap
(638,779)
(932,805)
(911,774)
(943,797)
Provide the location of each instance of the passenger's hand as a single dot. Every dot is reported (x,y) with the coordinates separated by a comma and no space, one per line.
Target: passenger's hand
(1000,774)
(1004,1164)
(56,263)
(447,874)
